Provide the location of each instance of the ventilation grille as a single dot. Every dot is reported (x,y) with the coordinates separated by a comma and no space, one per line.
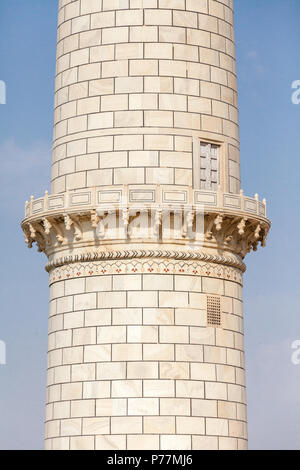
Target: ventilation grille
(213,310)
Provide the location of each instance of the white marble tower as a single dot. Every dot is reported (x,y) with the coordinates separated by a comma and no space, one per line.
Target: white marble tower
(146,229)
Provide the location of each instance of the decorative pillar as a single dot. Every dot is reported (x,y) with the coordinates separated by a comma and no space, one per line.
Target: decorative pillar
(146,229)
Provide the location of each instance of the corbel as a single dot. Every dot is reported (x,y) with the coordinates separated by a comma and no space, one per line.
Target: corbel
(58,232)
(73,221)
(188,223)
(242,225)
(218,222)
(94,219)
(157,222)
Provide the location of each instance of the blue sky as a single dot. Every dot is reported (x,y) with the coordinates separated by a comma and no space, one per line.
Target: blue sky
(267,33)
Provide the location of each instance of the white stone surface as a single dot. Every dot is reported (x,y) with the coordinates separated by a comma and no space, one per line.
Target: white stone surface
(133,362)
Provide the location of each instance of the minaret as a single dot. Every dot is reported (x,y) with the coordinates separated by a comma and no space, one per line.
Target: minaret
(145,229)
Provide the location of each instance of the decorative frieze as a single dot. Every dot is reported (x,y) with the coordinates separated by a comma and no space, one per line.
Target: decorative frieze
(218,268)
(190,226)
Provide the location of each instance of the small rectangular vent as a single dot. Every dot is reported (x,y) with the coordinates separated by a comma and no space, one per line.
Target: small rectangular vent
(213,310)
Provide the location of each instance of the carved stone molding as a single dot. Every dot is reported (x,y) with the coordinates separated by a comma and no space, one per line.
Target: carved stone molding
(234,262)
(123,229)
(197,227)
(88,268)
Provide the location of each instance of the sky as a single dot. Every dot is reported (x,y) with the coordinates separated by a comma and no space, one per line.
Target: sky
(268,61)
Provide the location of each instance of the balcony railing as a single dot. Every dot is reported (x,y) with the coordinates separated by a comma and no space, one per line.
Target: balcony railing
(107,196)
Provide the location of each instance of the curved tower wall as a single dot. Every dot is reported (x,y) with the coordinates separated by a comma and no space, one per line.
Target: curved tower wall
(146,322)
(136,81)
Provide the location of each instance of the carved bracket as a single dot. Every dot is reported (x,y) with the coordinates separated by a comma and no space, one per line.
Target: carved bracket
(220,230)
